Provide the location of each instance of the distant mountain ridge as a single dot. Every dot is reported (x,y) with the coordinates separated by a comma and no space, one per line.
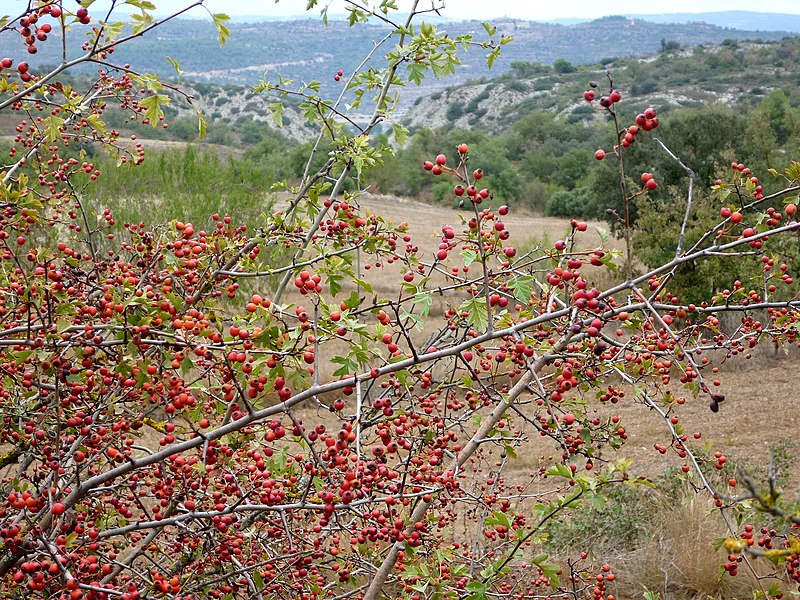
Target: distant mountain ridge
(306,49)
(731,19)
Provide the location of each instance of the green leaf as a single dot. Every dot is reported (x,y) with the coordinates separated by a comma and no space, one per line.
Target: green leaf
(175,65)
(363,284)
(793,170)
(603,233)
(276,108)
(477,316)
(477,590)
(490,30)
(560,470)
(522,286)
(424,301)
(202,125)
(400,133)
(258,580)
(222,30)
(469,255)
(153,105)
(142,4)
(52,127)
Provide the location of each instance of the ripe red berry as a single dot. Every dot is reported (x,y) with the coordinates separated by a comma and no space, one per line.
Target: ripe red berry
(791,210)
(6,63)
(725,212)
(441,254)
(22,67)
(427,165)
(55,11)
(588,95)
(477,174)
(441,159)
(614,97)
(650,113)
(340,72)
(600,154)
(58,508)
(458,190)
(646,177)
(463,148)
(736,217)
(82,13)
(651,184)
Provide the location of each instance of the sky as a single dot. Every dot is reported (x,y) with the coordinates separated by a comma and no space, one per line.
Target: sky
(533,10)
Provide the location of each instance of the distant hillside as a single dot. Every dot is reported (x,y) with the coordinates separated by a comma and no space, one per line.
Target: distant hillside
(732,19)
(303,50)
(732,73)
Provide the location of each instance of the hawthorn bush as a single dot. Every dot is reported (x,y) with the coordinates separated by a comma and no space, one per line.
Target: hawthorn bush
(231,410)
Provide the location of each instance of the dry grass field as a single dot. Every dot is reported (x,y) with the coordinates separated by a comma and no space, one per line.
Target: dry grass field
(762,400)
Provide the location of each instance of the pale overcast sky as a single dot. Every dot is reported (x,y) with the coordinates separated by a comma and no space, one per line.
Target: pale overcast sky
(484,9)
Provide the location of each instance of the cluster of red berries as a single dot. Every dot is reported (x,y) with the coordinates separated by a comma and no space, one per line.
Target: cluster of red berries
(605,101)
(22,68)
(648,181)
(338,75)
(437,167)
(646,121)
(31,32)
(306,282)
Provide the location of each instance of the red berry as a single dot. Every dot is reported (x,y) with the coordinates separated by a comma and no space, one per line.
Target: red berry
(458,190)
(463,148)
(651,184)
(58,508)
(477,174)
(600,154)
(736,217)
(441,159)
(646,177)
(22,67)
(588,95)
(650,113)
(6,63)
(614,97)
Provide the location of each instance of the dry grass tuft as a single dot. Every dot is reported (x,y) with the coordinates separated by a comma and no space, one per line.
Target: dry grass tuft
(678,561)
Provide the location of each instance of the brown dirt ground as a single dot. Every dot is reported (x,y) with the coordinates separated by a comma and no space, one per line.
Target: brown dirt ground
(761,407)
